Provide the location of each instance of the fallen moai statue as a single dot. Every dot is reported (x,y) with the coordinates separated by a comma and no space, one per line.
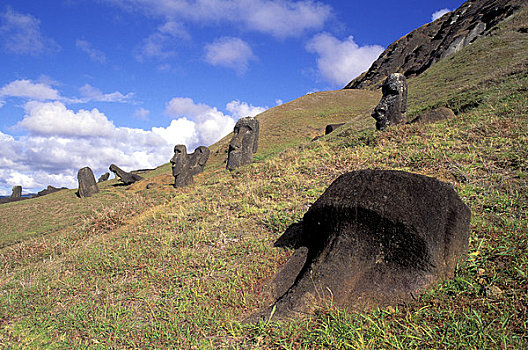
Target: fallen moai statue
(123,176)
(374,238)
(331,127)
(185,166)
(87,184)
(435,115)
(244,143)
(48,190)
(392,108)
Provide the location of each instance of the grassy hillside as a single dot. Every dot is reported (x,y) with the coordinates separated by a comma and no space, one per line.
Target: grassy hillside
(184,273)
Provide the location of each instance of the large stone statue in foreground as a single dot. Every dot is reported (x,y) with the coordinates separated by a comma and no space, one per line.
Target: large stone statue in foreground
(244,143)
(392,107)
(123,176)
(185,166)
(87,184)
(374,238)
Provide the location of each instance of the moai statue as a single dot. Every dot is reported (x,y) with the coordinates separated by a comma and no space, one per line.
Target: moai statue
(103,177)
(185,166)
(244,143)
(123,176)
(180,167)
(87,184)
(392,107)
(16,192)
(198,159)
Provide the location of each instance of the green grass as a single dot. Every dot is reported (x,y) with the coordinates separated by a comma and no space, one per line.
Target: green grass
(185,273)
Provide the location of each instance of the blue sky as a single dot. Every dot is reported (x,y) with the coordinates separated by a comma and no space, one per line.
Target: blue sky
(95,82)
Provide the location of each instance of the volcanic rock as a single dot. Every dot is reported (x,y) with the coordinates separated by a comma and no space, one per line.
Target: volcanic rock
(16,192)
(392,108)
(331,127)
(103,177)
(244,143)
(435,115)
(87,184)
(123,176)
(417,51)
(374,238)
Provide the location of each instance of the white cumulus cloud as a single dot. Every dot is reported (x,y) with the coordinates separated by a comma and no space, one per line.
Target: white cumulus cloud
(20,34)
(437,14)
(243,109)
(339,61)
(27,89)
(229,52)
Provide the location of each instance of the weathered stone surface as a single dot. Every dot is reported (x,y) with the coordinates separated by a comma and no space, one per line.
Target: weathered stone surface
(244,143)
(103,177)
(374,238)
(185,166)
(16,192)
(87,184)
(435,115)
(180,167)
(392,108)
(198,159)
(123,176)
(417,51)
(331,127)
(48,190)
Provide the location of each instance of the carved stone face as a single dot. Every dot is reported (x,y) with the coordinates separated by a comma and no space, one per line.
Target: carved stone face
(392,107)
(179,160)
(244,143)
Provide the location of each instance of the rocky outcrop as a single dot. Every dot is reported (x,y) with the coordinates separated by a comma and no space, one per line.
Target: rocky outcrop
(418,50)
(374,238)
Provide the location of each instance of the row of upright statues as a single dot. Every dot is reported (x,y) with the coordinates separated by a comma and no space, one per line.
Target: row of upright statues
(242,147)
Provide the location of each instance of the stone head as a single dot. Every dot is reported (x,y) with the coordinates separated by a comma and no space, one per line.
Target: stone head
(392,107)
(179,160)
(245,135)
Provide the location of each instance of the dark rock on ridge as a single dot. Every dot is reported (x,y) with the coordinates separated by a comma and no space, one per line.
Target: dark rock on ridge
(420,49)
(374,238)
(123,176)
(435,115)
(87,184)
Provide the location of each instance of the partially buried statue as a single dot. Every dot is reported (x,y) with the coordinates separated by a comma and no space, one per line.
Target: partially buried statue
(392,107)
(87,184)
(374,238)
(185,166)
(244,143)
(123,176)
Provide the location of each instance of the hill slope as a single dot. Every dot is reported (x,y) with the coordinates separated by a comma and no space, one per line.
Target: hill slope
(183,274)
(415,52)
